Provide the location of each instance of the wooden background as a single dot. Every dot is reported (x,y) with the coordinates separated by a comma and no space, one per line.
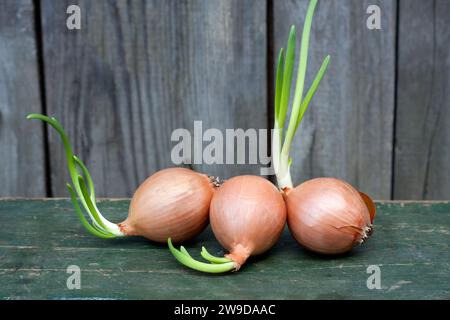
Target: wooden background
(137,70)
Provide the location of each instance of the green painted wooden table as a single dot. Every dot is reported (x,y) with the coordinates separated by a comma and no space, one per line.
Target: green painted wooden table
(39,239)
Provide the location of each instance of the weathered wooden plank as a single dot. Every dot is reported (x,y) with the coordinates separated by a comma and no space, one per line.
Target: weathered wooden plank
(137,70)
(410,244)
(21,145)
(422,153)
(347,132)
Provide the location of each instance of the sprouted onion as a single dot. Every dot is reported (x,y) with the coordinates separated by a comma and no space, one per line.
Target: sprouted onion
(173,202)
(247,215)
(325,215)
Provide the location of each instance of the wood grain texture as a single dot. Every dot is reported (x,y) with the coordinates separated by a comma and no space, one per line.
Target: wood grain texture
(347,131)
(21,143)
(137,70)
(410,245)
(422,154)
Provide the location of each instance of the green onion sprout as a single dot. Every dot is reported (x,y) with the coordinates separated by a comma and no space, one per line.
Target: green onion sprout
(98,226)
(215,265)
(285,65)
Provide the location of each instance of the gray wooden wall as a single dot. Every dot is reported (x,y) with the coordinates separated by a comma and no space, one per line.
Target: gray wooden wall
(137,70)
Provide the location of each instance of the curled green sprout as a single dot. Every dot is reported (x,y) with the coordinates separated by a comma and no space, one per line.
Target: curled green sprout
(215,265)
(283,79)
(98,225)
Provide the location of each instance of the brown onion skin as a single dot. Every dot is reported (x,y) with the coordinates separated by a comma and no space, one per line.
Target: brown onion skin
(247,216)
(173,203)
(328,215)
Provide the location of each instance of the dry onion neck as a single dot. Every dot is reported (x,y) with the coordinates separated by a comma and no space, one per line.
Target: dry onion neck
(215,265)
(99,226)
(285,66)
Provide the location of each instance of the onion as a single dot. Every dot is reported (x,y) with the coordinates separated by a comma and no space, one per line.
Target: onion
(247,215)
(325,215)
(173,202)
(328,215)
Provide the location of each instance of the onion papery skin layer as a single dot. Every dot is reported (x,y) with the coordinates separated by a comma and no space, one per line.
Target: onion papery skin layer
(328,215)
(173,202)
(247,215)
